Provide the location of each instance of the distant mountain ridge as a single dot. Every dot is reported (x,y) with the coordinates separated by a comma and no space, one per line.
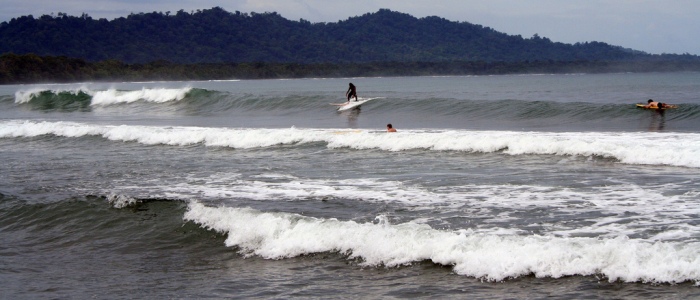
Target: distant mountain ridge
(217,36)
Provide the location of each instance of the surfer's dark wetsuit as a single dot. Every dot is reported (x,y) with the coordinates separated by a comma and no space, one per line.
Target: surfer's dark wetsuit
(352,92)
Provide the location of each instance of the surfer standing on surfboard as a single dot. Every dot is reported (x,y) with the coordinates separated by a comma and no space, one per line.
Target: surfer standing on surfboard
(352,92)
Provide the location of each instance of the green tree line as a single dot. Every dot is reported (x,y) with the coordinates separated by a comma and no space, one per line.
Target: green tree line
(31,68)
(218,36)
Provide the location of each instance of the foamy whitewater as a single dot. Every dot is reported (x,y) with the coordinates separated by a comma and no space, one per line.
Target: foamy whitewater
(493,187)
(676,149)
(107,97)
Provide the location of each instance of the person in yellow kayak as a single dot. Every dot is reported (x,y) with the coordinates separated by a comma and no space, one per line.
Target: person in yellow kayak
(658,105)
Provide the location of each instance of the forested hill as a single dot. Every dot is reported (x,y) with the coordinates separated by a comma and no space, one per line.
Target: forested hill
(217,36)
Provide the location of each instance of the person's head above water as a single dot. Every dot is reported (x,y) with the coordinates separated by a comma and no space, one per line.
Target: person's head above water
(650,101)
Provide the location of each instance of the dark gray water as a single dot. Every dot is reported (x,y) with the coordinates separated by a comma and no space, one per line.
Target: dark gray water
(493,187)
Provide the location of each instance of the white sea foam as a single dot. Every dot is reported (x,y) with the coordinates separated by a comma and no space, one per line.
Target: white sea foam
(675,149)
(158,95)
(607,211)
(110,96)
(489,256)
(121,201)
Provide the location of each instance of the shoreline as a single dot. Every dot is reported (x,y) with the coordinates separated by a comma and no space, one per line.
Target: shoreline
(33,69)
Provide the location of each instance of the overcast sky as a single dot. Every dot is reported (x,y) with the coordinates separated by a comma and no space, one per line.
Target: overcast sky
(654,26)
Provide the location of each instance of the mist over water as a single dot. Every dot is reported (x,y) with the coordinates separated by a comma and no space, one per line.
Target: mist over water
(493,187)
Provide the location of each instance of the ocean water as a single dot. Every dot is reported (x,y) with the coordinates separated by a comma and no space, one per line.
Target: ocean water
(494,187)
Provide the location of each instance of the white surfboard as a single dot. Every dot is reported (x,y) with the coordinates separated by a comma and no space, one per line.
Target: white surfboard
(352,104)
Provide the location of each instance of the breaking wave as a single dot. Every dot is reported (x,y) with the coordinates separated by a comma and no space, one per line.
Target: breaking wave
(659,148)
(493,257)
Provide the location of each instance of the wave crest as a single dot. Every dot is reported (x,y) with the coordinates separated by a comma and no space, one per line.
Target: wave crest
(158,95)
(492,257)
(675,149)
(86,96)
